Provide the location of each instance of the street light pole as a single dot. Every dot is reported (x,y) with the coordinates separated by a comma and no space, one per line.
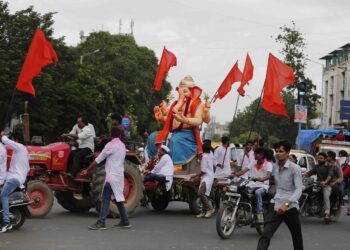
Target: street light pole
(87,54)
(301,94)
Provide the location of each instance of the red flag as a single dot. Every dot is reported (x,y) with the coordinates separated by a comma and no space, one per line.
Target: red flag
(278,76)
(167,60)
(39,55)
(233,76)
(247,74)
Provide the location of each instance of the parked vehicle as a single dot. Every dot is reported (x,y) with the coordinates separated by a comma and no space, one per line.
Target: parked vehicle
(19,202)
(305,160)
(238,209)
(311,200)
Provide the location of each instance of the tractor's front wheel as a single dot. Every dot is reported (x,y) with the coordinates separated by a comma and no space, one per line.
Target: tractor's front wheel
(42,196)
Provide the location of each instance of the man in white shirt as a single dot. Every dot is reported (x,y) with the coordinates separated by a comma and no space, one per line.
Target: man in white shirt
(15,177)
(163,171)
(222,158)
(85,138)
(247,158)
(206,183)
(114,153)
(260,171)
(76,129)
(3,161)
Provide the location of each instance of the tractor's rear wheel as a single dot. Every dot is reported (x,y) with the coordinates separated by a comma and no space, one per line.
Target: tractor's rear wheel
(42,196)
(67,200)
(133,188)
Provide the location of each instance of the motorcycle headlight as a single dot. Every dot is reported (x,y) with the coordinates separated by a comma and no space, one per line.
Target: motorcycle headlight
(232,188)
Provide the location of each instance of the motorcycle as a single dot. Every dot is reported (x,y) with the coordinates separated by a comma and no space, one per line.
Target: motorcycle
(18,203)
(238,209)
(311,200)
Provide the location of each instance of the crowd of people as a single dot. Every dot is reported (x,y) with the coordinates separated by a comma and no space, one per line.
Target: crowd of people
(257,164)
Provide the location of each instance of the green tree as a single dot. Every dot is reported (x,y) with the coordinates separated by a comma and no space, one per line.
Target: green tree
(294,45)
(266,124)
(118,77)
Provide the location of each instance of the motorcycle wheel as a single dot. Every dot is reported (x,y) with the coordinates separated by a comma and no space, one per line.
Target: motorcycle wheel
(17,217)
(225,227)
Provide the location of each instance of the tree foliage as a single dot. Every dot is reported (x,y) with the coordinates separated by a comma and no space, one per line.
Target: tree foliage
(294,45)
(266,124)
(116,78)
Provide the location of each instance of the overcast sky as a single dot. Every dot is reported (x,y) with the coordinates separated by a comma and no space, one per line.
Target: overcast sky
(208,36)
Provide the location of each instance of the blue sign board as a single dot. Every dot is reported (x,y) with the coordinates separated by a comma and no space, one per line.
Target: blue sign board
(345,110)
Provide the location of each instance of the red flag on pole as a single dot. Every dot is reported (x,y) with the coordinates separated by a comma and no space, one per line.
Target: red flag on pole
(233,76)
(278,76)
(247,74)
(167,60)
(39,55)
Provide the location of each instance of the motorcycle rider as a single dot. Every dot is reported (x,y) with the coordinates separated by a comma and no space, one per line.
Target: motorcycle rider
(85,138)
(260,171)
(15,177)
(324,173)
(163,171)
(344,163)
(3,161)
(337,177)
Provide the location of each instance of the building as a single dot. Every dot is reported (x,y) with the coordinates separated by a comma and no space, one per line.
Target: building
(216,130)
(335,85)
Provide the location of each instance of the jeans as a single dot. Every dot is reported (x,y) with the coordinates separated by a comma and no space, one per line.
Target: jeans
(8,188)
(327,190)
(106,198)
(259,193)
(274,220)
(154,177)
(77,156)
(204,199)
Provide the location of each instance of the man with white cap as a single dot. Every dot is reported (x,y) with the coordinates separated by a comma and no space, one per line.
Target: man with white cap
(163,171)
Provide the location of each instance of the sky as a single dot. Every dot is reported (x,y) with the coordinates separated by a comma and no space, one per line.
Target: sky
(209,36)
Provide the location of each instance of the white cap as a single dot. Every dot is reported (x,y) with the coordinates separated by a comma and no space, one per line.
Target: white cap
(166,149)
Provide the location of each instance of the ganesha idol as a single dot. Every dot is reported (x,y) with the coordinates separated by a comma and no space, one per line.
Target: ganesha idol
(181,122)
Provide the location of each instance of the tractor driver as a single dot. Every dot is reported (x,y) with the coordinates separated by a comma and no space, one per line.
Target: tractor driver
(85,138)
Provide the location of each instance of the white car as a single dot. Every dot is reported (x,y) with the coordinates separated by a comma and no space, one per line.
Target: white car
(305,160)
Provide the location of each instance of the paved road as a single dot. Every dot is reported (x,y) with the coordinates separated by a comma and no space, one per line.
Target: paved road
(175,228)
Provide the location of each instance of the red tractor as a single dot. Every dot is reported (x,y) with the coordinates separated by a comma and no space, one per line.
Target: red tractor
(48,173)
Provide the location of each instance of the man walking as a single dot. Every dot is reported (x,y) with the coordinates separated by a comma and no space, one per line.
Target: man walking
(15,177)
(289,189)
(114,153)
(222,158)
